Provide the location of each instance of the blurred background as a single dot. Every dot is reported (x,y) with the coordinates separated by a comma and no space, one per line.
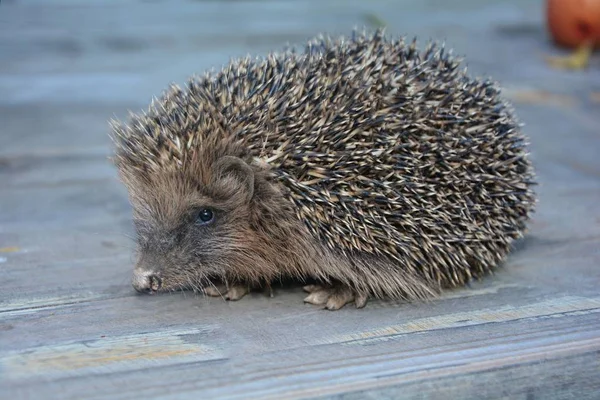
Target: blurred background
(66,66)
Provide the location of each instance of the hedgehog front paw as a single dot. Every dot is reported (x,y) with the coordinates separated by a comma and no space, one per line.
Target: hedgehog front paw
(334,297)
(232,293)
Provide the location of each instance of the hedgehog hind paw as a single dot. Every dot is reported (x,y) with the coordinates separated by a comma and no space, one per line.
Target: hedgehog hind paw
(333,297)
(232,293)
(214,290)
(236,292)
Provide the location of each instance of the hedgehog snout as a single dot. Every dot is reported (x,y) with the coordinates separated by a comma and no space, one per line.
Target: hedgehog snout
(146,281)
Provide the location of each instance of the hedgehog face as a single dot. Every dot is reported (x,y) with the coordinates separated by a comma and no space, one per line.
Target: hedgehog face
(190,232)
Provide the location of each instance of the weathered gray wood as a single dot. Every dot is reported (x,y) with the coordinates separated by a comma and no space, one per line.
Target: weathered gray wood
(72,327)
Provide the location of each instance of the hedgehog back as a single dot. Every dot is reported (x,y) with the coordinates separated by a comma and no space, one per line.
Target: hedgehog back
(383,149)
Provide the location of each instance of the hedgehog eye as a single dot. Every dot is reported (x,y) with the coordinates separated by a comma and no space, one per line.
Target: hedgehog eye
(205,216)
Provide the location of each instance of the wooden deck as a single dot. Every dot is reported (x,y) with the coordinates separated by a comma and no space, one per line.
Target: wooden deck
(71,326)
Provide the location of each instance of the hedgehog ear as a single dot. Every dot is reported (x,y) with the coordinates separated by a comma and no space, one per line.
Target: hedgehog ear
(235,176)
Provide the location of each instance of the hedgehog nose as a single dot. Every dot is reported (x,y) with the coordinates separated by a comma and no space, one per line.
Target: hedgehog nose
(146,282)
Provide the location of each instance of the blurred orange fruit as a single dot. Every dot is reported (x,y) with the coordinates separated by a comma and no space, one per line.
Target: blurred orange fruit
(574,22)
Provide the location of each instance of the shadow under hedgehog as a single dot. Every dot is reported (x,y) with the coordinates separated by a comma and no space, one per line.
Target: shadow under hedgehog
(361,163)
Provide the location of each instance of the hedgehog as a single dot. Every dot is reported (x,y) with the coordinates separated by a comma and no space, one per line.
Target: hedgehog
(360,166)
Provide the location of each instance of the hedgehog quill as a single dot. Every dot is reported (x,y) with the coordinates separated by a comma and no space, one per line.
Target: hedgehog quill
(363,164)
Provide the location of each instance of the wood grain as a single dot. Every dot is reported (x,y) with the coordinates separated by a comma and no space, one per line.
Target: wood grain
(71,326)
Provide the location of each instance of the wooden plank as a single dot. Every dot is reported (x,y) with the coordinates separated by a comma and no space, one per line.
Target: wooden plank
(71,326)
(547,331)
(573,376)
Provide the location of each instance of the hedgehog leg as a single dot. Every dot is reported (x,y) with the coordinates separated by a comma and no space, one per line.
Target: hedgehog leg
(236,292)
(334,297)
(318,296)
(268,289)
(233,292)
(215,290)
(361,300)
(339,298)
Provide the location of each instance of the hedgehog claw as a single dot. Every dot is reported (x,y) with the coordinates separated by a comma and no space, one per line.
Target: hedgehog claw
(334,297)
(215,290)
(231,293)
(317,297)
(361,300)
(236,292)
(269,291)
(312,288)
(339,299)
